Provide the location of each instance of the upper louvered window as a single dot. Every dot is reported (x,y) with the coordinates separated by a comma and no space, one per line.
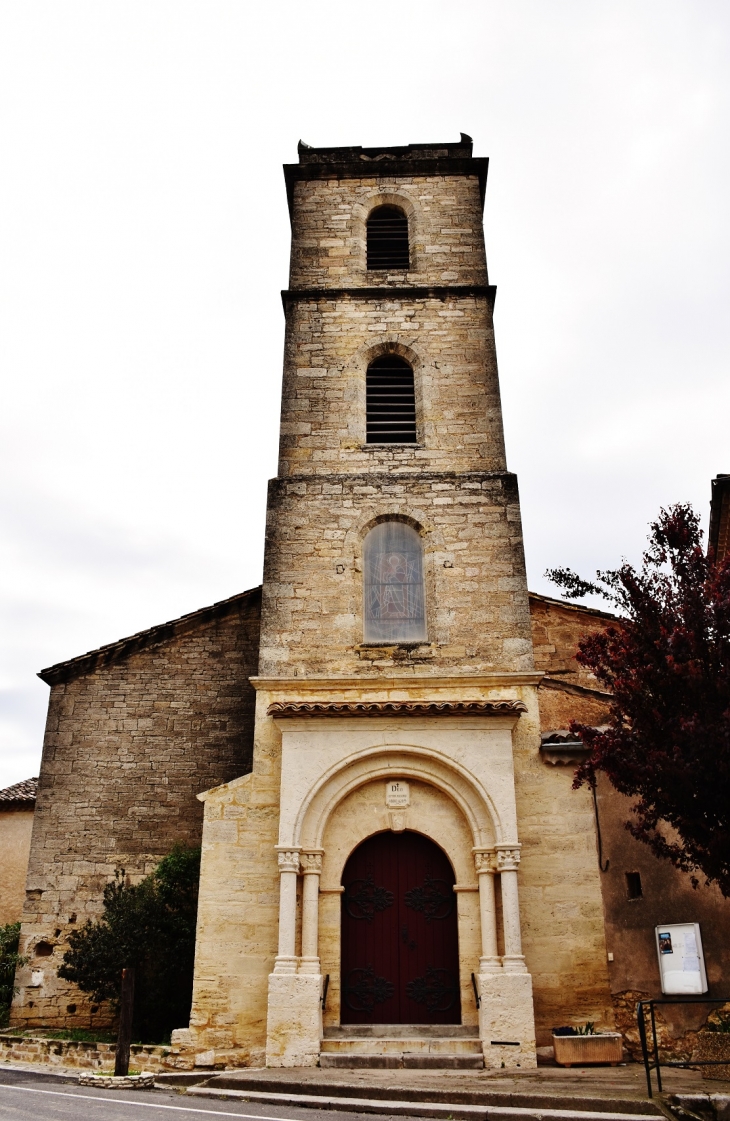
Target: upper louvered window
(391,402)
(388,239)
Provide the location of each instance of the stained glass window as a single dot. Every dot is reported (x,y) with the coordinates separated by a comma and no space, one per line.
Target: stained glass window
(393,570)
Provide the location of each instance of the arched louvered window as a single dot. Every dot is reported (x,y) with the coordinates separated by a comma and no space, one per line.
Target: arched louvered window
(393,570)
(388,239)
(390,401)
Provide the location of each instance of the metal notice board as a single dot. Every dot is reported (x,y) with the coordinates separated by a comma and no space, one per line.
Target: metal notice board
(681,961)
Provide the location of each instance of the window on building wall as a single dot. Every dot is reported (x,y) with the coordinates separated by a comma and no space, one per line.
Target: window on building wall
(633,885)
(393,576)
(390,401)
(387,239)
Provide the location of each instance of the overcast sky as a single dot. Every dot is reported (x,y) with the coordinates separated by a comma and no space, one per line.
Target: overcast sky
(144,241)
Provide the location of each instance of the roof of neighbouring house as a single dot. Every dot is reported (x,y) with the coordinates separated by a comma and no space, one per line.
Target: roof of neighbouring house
(22,792)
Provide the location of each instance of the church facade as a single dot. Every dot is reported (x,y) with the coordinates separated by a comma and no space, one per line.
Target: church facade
(393,864)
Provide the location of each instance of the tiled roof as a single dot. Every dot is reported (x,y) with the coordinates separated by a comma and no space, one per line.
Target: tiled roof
(22,792)
(94,659)
(579,607)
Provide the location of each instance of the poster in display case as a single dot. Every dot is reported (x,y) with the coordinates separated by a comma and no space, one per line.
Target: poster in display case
(681,961)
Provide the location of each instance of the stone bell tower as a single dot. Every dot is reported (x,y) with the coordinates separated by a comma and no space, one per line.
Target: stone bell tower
(395,677)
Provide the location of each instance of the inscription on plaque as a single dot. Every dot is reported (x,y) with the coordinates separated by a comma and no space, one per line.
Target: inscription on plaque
(397,794)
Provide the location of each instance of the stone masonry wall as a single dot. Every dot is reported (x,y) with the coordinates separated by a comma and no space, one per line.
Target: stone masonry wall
(477,610)
(449,342)
(16,825)
(134,733)
(556,630)
(445,230)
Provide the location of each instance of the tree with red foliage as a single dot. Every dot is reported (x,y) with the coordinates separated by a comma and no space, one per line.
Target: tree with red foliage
(667,663)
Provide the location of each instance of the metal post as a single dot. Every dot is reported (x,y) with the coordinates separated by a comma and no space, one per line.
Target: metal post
(124,1035)
(657,1066)
(644,1048)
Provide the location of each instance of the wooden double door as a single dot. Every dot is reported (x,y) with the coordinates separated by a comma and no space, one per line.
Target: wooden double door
(400,949)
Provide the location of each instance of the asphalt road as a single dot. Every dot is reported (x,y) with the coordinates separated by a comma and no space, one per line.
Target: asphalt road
(26,1096)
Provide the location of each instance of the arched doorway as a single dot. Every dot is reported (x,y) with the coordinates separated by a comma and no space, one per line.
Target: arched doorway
(400,949)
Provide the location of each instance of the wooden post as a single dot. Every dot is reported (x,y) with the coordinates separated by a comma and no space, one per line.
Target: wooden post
(124,1035)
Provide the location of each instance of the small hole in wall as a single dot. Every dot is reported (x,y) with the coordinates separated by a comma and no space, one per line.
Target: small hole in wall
(43,949)
(31,1003)
(72,917)
(71,1008)
(633,885)
(94,1008)
(57,934)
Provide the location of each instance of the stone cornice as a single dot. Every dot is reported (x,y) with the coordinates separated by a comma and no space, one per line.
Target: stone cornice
(346,682)
(394,292)
(399,164)
(283,709)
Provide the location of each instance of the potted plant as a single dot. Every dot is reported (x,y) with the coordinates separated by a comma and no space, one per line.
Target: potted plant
(713,1045)
(581,1045)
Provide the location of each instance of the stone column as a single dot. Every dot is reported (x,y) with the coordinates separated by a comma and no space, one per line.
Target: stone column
(507,862)
(294,1011)
(485,863)
(286,960)
(311,870)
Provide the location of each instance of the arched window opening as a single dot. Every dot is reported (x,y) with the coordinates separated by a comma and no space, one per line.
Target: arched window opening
(393,570)
(387,235)
(390,402)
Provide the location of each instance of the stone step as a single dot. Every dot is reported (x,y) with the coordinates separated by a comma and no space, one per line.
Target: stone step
(394,1060)
(396,1031)
(398,1107)
(382,1045)
(254,1083)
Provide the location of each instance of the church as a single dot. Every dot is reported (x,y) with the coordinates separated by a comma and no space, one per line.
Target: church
(371,747)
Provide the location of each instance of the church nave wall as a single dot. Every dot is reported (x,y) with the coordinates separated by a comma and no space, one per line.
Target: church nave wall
(135,731)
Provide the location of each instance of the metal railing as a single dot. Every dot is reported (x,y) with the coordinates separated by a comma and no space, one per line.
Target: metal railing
(655,1064)
(477,998)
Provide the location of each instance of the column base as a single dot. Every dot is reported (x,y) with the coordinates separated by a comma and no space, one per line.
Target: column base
(286,964)
(294,1020)
(514,963)
(309,966)
(507,1020)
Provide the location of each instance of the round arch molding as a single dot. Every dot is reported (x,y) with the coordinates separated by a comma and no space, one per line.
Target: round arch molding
(406,762)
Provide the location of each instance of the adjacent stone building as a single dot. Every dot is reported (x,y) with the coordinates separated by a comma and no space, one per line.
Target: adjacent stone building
(373,745)
(17,804)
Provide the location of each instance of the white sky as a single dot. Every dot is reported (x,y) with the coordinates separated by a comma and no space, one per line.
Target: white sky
(144,241)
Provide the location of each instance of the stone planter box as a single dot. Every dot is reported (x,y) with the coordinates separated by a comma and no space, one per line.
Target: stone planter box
(143,1081)
(712,1046)
(577,1050)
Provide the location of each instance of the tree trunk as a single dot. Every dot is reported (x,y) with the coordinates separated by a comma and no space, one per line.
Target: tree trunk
(124,1035)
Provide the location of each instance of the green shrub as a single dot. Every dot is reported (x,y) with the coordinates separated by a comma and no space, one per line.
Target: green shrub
(9,961)
(150,926)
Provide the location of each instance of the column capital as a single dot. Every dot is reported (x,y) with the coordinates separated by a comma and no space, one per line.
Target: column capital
(312,861)
(508,858)
(485,861)
(288,858)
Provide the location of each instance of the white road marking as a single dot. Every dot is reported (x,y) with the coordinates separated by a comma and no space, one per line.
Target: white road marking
(149,1105)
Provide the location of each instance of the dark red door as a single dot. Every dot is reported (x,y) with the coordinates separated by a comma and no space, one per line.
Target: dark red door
(400,950)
